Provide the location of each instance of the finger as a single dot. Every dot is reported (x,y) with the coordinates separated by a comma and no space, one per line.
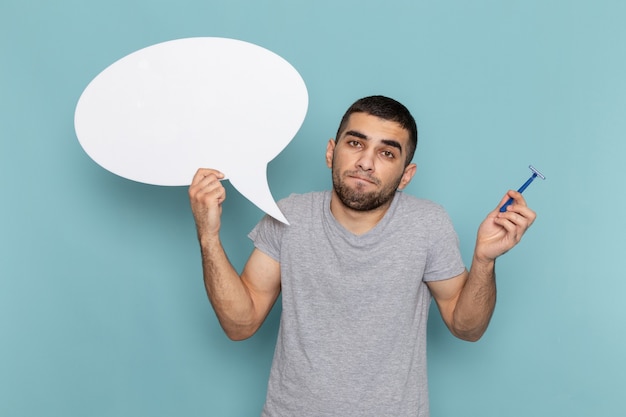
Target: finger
(504,200)
(203,173)
(204,180)
(520,207)
(512,229)
(516,223)
(208,189)
(517,197)
(517,200)
(527,215)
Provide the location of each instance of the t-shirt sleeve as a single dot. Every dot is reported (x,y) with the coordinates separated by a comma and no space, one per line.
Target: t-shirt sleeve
(444,256)
(266,237)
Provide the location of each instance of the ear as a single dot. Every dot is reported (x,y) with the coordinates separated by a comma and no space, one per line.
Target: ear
(407,176)
(330,150)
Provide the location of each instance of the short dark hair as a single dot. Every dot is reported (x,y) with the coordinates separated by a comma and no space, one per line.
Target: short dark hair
(388,109)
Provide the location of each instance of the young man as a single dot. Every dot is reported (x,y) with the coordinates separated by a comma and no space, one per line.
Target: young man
(357,267)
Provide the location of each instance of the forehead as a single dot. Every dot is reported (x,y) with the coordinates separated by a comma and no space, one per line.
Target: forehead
(375,127)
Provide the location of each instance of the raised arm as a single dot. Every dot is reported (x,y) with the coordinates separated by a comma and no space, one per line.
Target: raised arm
(467,301)
(241,303)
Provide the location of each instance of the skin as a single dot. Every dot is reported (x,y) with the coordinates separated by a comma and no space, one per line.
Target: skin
(368,162)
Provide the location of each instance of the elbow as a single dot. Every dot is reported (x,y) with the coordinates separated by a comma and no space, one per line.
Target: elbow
(238,333)
(238,325)
(470,328)
(468,336)
(469,333)
(238,336)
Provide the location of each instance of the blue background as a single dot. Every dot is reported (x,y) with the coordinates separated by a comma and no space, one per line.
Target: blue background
(102,307)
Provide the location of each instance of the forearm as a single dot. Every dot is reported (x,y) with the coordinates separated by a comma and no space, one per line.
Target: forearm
(476,302)
(467,312)
(227,293)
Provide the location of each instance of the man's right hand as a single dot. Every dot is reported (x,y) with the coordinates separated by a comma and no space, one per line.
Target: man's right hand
(241,302)
(206,195)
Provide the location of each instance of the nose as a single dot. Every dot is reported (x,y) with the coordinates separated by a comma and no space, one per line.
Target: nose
(366,161)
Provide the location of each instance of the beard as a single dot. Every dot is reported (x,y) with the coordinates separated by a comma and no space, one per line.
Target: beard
(358,199)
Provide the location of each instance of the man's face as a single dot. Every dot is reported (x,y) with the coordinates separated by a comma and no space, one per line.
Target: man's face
(367,162)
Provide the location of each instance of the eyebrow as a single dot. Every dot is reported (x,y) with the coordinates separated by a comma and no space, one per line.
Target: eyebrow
(388,142)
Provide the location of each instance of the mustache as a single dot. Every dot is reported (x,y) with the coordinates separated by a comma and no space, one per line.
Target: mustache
(363,175)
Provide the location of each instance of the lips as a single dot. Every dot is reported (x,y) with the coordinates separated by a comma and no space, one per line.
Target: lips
(362,177)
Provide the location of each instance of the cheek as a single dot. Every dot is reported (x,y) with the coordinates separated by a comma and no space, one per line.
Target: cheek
(336,161)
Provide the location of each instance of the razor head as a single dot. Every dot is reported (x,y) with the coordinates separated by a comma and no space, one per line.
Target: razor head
(539,174)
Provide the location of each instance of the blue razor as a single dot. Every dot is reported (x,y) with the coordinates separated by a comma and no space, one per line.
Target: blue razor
(521,189)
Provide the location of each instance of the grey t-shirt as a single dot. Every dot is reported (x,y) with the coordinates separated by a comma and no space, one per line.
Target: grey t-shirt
(352,337)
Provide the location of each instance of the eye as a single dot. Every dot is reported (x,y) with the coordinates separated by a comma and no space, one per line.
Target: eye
(354,143)
(388,154)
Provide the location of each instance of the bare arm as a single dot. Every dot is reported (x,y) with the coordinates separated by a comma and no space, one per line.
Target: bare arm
(241,303)
(467,301)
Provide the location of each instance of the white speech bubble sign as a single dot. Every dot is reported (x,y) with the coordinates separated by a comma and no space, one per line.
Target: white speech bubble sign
(160,113)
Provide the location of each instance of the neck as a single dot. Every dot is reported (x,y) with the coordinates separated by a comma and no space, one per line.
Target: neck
(356,221)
